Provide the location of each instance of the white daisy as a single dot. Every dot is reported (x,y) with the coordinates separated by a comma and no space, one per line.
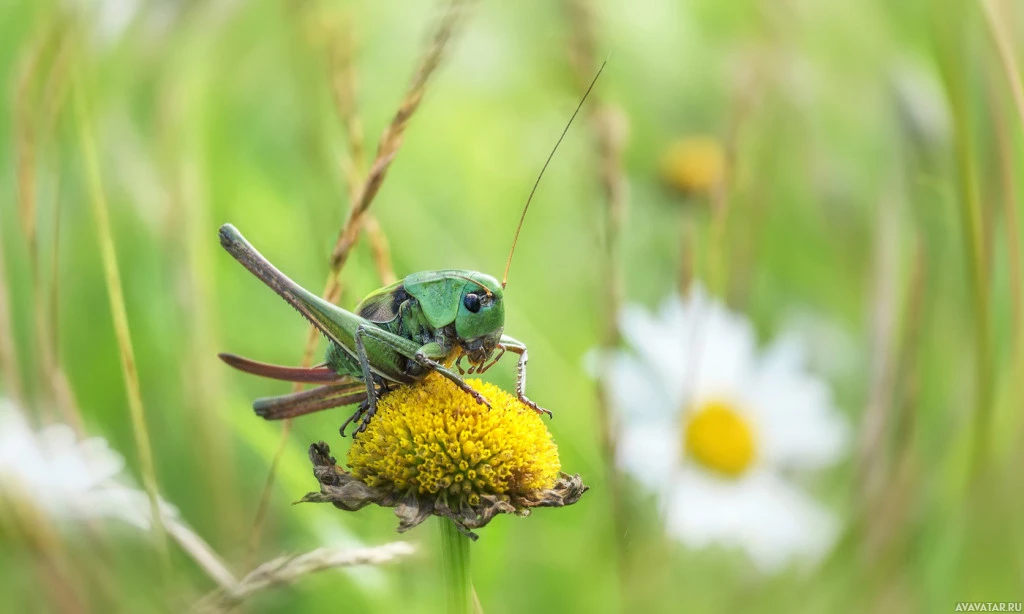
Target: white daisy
(65,477)
(713,427)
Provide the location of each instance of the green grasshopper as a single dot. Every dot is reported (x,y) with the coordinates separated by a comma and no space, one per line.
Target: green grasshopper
(397,335)
(429,321)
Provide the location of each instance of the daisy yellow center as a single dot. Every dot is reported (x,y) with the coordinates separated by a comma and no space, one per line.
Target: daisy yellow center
(434,438)
(720,438)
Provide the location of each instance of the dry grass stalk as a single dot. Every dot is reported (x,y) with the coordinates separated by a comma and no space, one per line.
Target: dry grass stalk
(36,107)
(361,198)
(391,139)
(1004,152)
(905,388)
(288,569)
(25,141)
(608,126)
(877,415)
(53,371)
(955,69)
(344,87)
(25,525)
(200,552)
(8,353)
(380,249)
(884,454)
(119,313)
(609,129)
(25,156)
(1003,41)
(38,99)
(687,254)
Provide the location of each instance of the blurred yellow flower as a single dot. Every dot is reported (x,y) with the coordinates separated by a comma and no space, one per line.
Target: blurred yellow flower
(431,449)
(694,165)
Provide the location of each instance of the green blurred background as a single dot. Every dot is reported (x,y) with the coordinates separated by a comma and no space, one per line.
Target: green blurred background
(868,141)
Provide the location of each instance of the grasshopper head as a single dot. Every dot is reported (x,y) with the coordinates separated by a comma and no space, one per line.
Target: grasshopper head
(481,317)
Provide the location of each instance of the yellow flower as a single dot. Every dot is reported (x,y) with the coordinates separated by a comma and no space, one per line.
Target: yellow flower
(694,165)
(431,449)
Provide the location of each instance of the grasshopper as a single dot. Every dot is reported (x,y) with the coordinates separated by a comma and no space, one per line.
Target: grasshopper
(427,322)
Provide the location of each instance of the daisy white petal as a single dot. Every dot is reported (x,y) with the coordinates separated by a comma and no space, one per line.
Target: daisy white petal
(634,388)
(725,356)
(649,452)
(774,523)
(801,426)
(646,335)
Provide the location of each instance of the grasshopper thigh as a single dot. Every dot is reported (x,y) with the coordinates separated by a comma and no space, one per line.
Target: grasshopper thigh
(309,401)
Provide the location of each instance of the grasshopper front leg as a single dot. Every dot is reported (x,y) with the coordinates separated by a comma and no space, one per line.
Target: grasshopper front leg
(518,347)
(428,356)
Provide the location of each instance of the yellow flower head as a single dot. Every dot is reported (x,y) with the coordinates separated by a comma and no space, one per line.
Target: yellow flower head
(431,449)
(434,438)
(694,165)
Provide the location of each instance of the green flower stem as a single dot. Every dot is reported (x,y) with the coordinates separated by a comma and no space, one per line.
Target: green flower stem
(455,568)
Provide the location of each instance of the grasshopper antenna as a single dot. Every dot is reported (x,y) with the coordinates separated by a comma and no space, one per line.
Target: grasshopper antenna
(486,290)
(522,218)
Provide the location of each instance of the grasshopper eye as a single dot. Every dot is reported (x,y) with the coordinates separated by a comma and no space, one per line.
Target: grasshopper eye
(472,302)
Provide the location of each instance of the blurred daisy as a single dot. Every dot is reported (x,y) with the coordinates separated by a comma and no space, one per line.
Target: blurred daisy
(64,477)
(712,427)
